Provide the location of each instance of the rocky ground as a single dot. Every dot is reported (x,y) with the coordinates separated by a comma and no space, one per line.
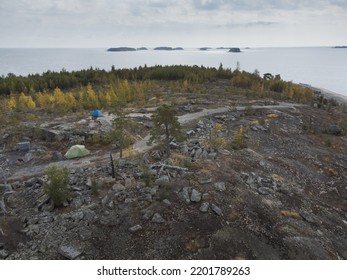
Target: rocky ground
(283,195)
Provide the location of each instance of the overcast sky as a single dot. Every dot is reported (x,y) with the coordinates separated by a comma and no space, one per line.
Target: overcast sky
(186,23)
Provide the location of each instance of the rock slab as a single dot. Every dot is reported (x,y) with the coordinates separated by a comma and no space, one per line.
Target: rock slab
(69,252)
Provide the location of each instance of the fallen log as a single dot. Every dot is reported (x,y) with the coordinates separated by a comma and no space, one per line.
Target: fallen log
(166,166)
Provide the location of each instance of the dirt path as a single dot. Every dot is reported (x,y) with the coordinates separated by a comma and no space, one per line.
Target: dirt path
(139,147)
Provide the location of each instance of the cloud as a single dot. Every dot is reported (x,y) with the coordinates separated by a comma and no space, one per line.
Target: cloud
(30,21)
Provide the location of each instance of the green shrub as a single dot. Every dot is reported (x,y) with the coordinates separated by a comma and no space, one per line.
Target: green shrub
(249,111)
(146,174)
(57,185)
(95,186)
(238,139)
(328,143)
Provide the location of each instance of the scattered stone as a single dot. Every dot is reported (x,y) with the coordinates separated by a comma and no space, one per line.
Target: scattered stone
(118,187)
(128,183)
(206,196)
(310,218)
(28,157)
(33,182)
(145,197)
(265,191)
(85,234)
(244,176)
(220,186)
(69,252)
(156,155)
(190,133)
(184,194)
(167,202)
(111,220)
(204,207)
(4,254)
(263,163)
(46,219)
(335,130)
(173,145)
(224,152)
(212,156)
(135,228)
(129,200)
(162,180)
(78,216)
(3,206)
(57,156)
(148,124)
(148,214)
(250,180)
(196,196)
(158,219)
(48,207)
(198,153)
(5,136)
(216,209)
(105,201)
(34,229)
(185,149)
(23,146)
(204,181)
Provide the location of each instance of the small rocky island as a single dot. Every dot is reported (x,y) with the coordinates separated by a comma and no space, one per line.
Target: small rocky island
(168,49)
(234,50)
(121,49)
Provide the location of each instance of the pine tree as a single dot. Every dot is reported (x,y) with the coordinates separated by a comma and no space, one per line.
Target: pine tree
(120,134)
(165,126)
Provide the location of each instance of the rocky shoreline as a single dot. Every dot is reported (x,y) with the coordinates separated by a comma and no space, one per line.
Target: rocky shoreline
(328,94)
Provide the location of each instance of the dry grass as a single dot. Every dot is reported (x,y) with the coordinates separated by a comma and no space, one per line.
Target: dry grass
(291,214)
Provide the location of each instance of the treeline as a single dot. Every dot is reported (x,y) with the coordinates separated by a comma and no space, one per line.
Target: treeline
(94,88)
(64,80)
(271,86)
(85,98)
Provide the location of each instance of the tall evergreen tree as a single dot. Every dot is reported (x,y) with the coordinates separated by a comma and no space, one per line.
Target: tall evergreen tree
(165,126)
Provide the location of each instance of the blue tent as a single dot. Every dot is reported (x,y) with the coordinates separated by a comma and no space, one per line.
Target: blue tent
(97,113)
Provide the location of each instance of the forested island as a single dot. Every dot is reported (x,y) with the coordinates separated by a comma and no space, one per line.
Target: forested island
(126,49)
(235,50)
(168,49)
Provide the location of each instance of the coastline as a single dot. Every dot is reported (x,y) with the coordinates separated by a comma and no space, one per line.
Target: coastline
(328,93)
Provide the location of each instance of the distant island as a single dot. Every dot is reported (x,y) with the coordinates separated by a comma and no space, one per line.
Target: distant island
(235,50)
(205,49)
(142,49)
(121,49)
(340,47)
(168,49)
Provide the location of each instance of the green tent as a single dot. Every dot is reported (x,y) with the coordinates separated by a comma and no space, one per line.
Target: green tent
(77,151)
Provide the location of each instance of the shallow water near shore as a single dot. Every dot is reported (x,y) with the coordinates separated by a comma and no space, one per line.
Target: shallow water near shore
(322,67)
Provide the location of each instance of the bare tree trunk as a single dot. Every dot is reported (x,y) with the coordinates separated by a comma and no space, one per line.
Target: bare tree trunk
(112,166)
(167,140)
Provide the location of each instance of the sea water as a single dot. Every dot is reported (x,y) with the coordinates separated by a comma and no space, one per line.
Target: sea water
(323,67)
